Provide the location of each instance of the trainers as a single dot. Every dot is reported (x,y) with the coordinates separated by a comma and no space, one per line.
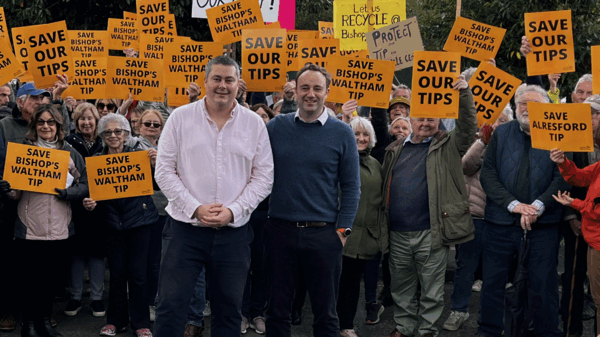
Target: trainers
(206,311)
(348,333)
(98,309)
(374,311)
(193,331)
(258,324)
(111,330)
(7,323)
(477,286)
(455,320)
(143,332)
(245,324)
(73,307)
(152,313)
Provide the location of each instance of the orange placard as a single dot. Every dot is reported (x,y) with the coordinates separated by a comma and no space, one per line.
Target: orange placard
(273,25)
(325,30)
(119,176)
(142,78)
(434,73)
(354,53)
(4,27)
(367,81)
(171,26)
(567,127)
(123,34)
(596,69)
(36,169)
(264,61)
(9,66)
(179,96)
(49,53)
(492,90)
(152,16)
(292,45)
(88,43)
(474,40)
(316,51)
(227,21)
(153,46)
(90,79)
(129,16)
(19,35)
(551,37)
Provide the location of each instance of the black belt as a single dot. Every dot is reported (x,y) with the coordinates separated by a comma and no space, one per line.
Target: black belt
(307,224)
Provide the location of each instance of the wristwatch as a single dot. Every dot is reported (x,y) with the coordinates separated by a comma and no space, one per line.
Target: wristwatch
(345,231)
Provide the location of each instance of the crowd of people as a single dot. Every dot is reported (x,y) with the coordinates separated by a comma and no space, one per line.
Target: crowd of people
(258,201)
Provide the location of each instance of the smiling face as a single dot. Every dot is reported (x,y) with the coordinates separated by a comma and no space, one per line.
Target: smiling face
(583,91)
(46,127)
(114,136)
(400,129)
(362,138)
(398,110)
(105,107)
(311,92)
(87,123)
(424,128)
(150,126)
(221,85)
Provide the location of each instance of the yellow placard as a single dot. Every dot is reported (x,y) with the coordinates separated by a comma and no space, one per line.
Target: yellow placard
(367,81)
(88,43)
(264,60)
(474,40)
(153,46)
(4,27)
(354,53)
(142,78)
(152,16)
(273,25)
(352,19)
(90,79)
(123,34)
(596,69)
(119,176)
(171,26)
(36,169)
(551,37)
(316,51)
(396,42)
(492,89)
(567,127)
(179,96)
(292,38)
(49,53)
(129,16)
(9,66)
(325,30)
(227,21)
(433,75)
(19,35)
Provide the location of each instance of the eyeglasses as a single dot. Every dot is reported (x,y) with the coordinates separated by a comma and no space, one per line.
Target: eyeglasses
(50,122)
(107,133)
(109,106)
(150,124)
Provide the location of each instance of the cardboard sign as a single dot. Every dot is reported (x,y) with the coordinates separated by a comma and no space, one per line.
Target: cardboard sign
(36,169)
(292,45)
(89,43)
(227,21)
(9,66)
(49,53)
(152,16)
(119,176)
(432,94)
(325,30)
(90,79)
(140,77)
(4,27)
(19,35)
(123,34)
(316,51)
(129,16)
(492,89)
(567,127)
(396,42)
(153,46)
(474,40)
(596,69)
(269,8)
(179,96)
(352,19)
(264,59)
(367,81)
(551,37)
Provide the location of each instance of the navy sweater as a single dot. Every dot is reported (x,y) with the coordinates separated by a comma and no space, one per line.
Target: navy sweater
(313,163)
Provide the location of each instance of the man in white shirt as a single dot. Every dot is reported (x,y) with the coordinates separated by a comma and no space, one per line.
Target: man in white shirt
(215,166)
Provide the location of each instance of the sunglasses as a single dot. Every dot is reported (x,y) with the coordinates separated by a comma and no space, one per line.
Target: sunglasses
(50,122)
(107,133)
(109,106)
(150,124)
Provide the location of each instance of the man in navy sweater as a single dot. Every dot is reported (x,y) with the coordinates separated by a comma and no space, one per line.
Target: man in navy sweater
(316,161)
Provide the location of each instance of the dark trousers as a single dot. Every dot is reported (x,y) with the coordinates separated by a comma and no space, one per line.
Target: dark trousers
(352,271)
(156,230)
(467,264)
(255,293)
(501,247)
(318,253)
(576,322)
(9,286)
(371,278)
(226,255)
(385,270)
(38,260)
(300,295)
(127,252)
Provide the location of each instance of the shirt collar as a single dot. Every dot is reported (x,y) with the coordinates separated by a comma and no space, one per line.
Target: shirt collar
(202,103)
(322,118)
(409,139)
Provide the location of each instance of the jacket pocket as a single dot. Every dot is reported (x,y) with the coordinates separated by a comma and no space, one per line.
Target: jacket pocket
(456,221)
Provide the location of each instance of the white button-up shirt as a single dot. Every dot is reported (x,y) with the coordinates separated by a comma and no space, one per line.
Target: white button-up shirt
(197,164)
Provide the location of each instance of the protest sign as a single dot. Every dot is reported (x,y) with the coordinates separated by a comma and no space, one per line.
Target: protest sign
(596,70)
(474,40)
(178,96)
(551,37)
(396,42)
(88,43)
(273,25)
(36,169)
(129,16)
(316,51)
(492,89)
(4,27)
(153,46)
(433,76)
(143,78)
(567,127)
(49,53)
(123,34)
(264,60)
(292,45)
(269,8)
(367,81)
(352,19)
(325,30)
(354,53)
(171,27)
(227,21)
(152,16)
(9,66)
(90,79)
(19,35)
(119,176)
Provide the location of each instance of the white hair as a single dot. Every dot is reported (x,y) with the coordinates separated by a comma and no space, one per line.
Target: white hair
(468,73)
(114,117)
(362,122)
(406,119)
(525,88)
(584,78)
(508,112)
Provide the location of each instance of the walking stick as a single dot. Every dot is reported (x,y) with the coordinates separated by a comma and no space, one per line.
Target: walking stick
(572,286)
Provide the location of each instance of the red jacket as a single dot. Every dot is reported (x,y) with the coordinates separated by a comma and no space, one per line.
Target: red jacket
(590,212)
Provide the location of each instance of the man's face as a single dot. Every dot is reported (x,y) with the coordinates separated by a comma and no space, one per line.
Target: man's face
(221,85)
(311,92)
(29,105)
(398,110)
(135,121)
(522,112)
(401,93)
(424,127)
(583,91)
(4,95)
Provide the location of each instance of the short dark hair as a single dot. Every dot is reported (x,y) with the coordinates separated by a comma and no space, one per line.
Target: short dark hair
(222,60)
(257,106)
(56,115)
(313,67)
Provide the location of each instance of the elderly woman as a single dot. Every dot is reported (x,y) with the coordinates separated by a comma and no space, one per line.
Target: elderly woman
(106,106)
(44,224)
(129,223)
(369,233)
(89,232)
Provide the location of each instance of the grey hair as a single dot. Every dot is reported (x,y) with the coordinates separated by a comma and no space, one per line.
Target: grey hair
(508,112)
(277,104)
(584,78)
(224,61)
(365,124)
(114,117)
(468,73)
(594,101)
(406,119)
(524,88)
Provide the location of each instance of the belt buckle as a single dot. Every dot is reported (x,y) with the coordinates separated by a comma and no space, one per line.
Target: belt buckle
(302,224)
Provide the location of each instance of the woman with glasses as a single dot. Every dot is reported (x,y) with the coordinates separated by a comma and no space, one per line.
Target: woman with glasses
(128,242)
(106,106)
(44,223)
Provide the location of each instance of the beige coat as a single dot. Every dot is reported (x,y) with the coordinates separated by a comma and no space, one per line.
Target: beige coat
(471,164)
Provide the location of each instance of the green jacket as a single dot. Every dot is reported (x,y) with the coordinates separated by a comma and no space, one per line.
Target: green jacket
(451,221)
(369,234)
